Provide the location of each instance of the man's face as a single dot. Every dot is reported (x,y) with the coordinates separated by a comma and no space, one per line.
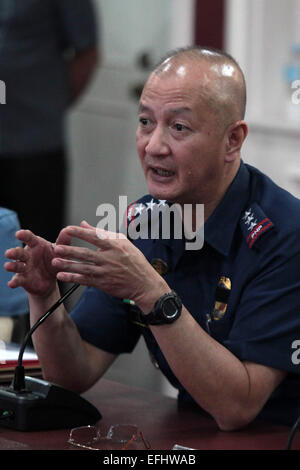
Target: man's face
(180,146)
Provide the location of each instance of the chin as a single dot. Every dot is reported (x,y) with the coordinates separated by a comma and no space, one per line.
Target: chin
(156,194)
(159,192)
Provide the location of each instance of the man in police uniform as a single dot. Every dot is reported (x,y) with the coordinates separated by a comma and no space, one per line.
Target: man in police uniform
(220,321)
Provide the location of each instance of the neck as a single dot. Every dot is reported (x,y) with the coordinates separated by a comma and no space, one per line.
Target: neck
(192,212)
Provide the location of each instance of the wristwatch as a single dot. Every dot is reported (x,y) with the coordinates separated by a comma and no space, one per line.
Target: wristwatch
(166,310)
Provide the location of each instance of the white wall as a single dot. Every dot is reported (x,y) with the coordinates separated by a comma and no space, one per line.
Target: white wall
(259,34)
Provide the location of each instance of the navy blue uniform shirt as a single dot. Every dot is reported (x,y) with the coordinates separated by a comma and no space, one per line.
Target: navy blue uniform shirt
(252,240)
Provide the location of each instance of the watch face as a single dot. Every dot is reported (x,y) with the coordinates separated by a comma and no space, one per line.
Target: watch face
(170,308)
(166,310)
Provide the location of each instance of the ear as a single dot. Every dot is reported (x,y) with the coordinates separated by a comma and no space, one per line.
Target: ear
(236,134)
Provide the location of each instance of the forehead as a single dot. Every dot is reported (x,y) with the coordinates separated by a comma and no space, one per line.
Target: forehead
(181,90)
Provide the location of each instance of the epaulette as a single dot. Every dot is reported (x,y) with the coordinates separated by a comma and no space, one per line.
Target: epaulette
(255,224)
(141,207)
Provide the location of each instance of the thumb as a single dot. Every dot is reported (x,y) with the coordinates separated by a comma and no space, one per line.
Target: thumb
(63,238)
(84,224)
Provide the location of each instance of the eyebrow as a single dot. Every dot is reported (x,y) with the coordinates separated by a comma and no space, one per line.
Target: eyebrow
(181,110)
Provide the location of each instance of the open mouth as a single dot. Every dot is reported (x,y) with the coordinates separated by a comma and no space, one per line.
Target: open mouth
(163,172)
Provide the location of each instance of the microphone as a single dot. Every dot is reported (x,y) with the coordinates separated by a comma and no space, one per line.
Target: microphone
(33,404)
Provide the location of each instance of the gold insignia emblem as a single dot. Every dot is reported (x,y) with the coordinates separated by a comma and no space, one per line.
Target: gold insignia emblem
(160,266)
(222,294)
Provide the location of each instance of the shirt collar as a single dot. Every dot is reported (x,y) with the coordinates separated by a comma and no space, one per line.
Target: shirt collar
(221,225)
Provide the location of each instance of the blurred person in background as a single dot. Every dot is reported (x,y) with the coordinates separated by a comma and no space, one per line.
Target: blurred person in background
(48,54)
(14,316)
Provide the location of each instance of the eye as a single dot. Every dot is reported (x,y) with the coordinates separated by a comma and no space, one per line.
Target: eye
(143,121)
(179,127)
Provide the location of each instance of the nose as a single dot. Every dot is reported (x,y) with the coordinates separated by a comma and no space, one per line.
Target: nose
(157,144)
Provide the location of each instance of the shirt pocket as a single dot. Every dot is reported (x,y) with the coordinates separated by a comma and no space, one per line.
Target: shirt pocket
(219,321)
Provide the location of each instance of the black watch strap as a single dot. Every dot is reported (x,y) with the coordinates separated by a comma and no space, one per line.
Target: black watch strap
(167,309)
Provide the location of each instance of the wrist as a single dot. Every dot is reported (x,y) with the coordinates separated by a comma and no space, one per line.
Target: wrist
(39,306)
(45,299)
(167,309)
(147,301)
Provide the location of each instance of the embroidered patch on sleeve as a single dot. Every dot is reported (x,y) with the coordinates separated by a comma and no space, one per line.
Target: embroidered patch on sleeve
(255,224)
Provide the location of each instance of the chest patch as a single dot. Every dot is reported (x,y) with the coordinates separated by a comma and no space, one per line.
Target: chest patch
(255,224)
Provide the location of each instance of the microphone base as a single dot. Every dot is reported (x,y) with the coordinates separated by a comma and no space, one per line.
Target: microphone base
(42,405)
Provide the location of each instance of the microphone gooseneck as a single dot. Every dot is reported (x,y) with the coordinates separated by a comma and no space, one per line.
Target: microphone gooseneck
(18,383)
(31,403)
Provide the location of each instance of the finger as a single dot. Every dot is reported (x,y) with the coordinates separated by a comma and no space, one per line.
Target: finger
(27,237)
(89,235)
(12,283)
(74,278)
(77,253)
(107,235)
(102,234)
(17,253)
(15,266)
(16,281)
(63,238)
(75,267)
(84,223)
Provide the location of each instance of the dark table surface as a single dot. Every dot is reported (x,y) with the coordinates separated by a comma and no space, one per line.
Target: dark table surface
(163,425)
